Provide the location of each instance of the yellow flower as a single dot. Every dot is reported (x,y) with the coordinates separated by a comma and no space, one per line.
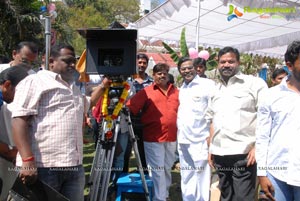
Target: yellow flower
(118,107)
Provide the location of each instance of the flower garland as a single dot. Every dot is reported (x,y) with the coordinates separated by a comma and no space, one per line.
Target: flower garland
(109,118)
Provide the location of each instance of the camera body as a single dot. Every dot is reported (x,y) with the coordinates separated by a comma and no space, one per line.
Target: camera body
(110,52)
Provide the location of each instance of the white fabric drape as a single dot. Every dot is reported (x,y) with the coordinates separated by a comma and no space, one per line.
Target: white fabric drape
(267,35)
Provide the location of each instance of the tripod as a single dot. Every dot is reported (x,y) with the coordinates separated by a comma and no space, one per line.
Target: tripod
(102,163)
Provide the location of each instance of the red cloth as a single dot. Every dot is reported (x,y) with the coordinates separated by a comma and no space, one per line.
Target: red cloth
(97,110)
(159,112)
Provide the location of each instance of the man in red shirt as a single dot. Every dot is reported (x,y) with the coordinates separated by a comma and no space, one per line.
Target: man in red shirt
(158,103)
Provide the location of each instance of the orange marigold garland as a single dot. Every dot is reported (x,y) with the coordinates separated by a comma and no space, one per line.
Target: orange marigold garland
(109,118)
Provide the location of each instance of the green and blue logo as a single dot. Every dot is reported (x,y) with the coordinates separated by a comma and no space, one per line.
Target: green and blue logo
(233,13)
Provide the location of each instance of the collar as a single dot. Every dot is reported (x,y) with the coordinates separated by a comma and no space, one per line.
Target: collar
(52,74)
(147,78)
(194,81)
(283,84)
(155,86)
(55,76)
(238,76)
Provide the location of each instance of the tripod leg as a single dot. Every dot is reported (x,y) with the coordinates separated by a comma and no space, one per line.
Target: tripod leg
(110,158)
(97,166)
(137,156)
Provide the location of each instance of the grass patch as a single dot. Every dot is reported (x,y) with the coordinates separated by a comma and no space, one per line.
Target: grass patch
(88,155)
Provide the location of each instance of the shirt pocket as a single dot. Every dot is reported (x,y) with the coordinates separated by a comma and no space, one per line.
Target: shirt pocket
(199,104)
(245,101)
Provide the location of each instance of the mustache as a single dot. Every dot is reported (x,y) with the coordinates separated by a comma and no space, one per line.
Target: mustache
(187,73)
(227,70)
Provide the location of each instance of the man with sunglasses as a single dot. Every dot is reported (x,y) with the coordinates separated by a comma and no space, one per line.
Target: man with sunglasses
(25,52)
(47,125)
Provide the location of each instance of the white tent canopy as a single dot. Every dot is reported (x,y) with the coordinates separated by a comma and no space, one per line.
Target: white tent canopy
(265,33)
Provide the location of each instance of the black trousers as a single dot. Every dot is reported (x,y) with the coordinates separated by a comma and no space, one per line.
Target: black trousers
(236,181)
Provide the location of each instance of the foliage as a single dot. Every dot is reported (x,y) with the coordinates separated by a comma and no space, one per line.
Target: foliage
(99,13)
(249,63)
(19,21)
(89,17)
(112,10)
(123,11)
(63,29)
(211,63)
(173,54)
(183,46)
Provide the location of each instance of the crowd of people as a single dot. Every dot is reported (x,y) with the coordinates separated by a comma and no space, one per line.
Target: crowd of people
(234,124)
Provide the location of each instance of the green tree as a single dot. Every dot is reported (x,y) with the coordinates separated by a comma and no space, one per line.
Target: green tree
(99,13)
(19,21)
(120,10)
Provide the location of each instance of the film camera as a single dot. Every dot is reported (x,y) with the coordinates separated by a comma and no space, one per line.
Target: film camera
(110,52)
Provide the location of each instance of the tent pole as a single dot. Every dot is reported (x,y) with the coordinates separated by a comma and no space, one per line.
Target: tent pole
(198,26)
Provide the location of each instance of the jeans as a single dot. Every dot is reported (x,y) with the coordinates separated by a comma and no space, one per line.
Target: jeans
(118,162)
(69,181)
(284,191)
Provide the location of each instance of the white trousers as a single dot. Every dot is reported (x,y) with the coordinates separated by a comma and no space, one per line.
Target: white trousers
(195,171)
(160,158)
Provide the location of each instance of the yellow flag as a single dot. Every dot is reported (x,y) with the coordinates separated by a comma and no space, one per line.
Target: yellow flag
(81,66)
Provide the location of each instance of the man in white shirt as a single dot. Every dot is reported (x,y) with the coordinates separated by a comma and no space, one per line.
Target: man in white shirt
(25,52)
(233,111)
(277,142)
(193,132)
